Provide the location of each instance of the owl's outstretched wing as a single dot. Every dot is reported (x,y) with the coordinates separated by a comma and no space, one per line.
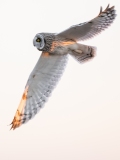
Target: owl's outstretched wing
(41,82)
(91,28)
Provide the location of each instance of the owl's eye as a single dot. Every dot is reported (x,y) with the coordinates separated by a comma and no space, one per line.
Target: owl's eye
(38,40)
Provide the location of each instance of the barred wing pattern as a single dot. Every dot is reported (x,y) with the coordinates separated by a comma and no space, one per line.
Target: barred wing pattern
(41,82)
(91,28)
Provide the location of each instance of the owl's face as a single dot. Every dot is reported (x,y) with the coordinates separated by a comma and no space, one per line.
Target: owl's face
(39,41)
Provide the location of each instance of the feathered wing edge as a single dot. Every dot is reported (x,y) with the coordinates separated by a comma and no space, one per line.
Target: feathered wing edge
(102,26)
(41,82)
(89,29)
(108,14)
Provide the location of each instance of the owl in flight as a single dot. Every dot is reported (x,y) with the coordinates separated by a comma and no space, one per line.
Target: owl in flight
(55,49)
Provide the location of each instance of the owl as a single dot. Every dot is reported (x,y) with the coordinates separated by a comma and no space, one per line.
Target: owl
(56,47)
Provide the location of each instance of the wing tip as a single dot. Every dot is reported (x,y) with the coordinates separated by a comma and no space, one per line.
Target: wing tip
(17,121)
(15,124)
(108,8)
(100,11)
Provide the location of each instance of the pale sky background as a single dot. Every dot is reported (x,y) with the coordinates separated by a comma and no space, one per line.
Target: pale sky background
(81,120)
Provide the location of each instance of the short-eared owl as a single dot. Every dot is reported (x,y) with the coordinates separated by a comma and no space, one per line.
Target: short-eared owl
(55,49)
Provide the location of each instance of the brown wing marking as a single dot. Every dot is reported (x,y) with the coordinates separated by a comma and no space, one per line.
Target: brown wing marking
(61,43)
(19,113)
(45,54)
(54,45)
(67,43)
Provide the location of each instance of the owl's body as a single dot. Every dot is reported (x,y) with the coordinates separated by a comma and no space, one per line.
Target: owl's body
(55,44)
(51,64)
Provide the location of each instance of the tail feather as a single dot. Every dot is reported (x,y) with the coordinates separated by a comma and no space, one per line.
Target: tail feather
(83,53)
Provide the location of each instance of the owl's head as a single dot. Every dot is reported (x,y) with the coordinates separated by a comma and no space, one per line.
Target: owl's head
(39,41)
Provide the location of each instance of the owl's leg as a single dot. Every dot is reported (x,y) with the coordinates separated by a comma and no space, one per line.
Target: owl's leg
(82,53)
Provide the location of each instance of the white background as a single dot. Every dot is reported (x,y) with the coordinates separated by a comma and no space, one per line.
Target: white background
(81,120)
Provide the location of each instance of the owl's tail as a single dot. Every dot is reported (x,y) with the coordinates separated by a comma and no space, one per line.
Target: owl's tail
(82,53)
